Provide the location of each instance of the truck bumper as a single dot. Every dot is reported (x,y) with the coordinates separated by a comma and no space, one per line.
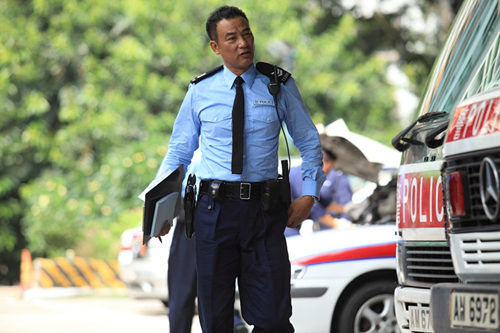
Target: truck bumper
(465,308)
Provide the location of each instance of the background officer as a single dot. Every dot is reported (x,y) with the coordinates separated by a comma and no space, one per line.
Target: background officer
(181,280)
(334,194)
(232,111)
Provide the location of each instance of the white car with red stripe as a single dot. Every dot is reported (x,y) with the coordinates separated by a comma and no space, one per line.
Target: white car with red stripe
(343,280)
(143,268)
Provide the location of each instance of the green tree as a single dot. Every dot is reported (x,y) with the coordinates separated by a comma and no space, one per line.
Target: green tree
(90,90)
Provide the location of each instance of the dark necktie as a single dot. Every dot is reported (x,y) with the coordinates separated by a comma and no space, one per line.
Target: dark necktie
(238,128)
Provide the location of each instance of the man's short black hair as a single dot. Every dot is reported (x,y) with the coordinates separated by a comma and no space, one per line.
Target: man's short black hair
(330,155)
(221,13)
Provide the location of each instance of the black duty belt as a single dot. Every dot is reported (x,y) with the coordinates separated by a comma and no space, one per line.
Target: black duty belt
(237,190)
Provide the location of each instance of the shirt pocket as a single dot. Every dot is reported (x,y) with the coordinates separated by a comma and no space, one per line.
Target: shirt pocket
(263,119)
(216,125)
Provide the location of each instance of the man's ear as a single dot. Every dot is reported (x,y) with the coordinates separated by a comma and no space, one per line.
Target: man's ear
(215,47)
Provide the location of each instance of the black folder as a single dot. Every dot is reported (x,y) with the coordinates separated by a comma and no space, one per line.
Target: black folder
(169,184)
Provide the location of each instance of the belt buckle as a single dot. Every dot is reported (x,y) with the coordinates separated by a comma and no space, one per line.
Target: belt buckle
(245,191)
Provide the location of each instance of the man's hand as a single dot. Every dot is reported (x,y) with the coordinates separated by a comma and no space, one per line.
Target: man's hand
(329,220)
(299,210)
(164,230)
(336,208)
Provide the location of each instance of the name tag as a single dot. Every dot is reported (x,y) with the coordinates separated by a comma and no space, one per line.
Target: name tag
(264,102)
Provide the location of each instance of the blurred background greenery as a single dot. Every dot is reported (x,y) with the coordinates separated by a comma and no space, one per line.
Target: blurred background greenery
(89,90)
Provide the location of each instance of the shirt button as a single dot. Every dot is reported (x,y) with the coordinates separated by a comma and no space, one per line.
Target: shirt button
(268,118)
(244,177)
(244,156)
(215,118)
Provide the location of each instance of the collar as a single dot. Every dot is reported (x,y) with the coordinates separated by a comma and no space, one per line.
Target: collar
(248,76)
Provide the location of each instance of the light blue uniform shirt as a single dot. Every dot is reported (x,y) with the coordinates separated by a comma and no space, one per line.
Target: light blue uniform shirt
(205,119)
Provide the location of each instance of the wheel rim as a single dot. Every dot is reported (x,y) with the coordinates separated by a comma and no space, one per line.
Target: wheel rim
(376,315)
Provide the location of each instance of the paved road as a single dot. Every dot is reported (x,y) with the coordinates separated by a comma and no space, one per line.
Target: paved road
(82,314)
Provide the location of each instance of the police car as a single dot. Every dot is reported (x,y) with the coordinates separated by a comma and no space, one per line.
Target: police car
(343,280)
(143,268)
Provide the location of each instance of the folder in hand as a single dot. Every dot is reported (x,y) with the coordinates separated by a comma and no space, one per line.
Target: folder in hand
(165,210)
(162,199)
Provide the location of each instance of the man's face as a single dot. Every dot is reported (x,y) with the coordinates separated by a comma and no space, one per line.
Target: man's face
(234,44)
(327,164)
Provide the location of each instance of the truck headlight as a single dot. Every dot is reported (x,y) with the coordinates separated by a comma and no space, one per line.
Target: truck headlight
(399,265)
(454,194)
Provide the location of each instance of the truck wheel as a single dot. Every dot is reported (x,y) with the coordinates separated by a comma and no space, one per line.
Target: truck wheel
(370,308)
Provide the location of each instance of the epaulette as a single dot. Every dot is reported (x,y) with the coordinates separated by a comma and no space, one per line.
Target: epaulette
(207,74)
(268,70)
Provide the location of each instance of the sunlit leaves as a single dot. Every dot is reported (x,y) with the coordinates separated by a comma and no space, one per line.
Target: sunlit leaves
(90,90)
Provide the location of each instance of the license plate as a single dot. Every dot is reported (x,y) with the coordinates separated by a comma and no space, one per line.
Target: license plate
(420,319)
(474,310)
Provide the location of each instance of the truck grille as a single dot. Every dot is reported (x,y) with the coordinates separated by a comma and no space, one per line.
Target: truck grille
(427,263)
(475,218)
(477,256)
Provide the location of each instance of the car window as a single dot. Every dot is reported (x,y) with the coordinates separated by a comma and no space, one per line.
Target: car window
(488,76)
(470,38)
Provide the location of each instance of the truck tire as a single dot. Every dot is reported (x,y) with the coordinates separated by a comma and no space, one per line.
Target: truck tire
(370,308)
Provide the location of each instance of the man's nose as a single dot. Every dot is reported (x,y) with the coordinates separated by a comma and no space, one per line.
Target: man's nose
(242,42)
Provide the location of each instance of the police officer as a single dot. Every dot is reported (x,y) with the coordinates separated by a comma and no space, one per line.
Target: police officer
(335,193)
(181,280)
(231,109)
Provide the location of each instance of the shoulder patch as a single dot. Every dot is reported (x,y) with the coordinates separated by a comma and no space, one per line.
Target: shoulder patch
(268,70)
(207,74)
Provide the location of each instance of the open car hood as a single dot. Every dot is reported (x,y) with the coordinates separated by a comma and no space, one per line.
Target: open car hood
(357,155)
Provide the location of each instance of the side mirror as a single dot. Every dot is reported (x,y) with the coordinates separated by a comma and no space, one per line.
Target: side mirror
(430,139)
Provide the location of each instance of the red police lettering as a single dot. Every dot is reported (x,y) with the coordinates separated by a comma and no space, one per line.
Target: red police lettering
(475,119)
(420,200)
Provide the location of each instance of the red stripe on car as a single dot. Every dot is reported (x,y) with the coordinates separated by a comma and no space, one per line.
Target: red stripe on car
(366,252)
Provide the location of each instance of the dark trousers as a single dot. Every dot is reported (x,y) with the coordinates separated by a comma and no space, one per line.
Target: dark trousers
(181,281)
(237,239)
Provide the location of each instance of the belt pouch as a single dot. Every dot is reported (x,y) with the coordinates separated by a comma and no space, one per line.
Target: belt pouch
(216,190)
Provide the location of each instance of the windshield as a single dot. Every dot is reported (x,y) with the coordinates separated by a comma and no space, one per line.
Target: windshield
(488,77)
(474,30)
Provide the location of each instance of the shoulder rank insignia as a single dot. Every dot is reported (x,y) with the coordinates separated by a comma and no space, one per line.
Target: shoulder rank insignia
(205,75)
(268,70)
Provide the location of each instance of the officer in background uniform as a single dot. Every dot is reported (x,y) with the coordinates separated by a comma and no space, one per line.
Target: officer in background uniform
(335,193)
(231,114)
(181,280)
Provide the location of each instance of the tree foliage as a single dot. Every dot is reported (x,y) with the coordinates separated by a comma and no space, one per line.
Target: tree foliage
(90,90)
